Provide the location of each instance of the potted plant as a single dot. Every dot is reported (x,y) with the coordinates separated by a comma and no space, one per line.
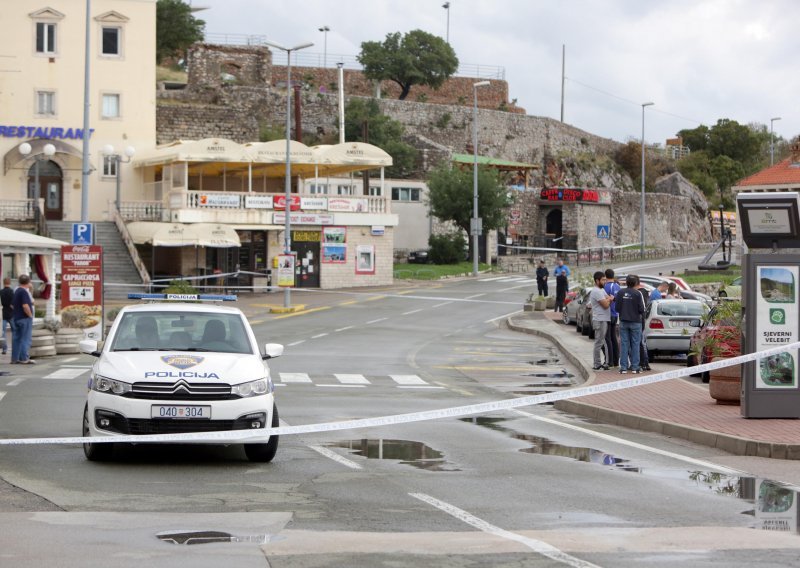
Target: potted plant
(534,302)
(720,337)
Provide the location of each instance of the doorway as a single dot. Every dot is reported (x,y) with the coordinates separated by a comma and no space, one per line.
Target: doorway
(51,182)
(307,246)
(553,229)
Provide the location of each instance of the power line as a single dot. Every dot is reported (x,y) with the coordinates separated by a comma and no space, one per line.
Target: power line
(612,95)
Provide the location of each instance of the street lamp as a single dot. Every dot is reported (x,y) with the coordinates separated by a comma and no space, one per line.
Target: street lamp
(325,30)
(108,152)
(49,150)
(287,248)
(446,6)
(475,225)
(641,213)
(772,141)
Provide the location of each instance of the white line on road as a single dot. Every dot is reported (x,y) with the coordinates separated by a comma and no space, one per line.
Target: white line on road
(348,379)
(614,439)
(493,279)
(344,328)
(408,380)
(318,335)
(76,366)
(501,317)
(412,312)
(66,374)
(538,546)
(474,296)
(295,378)
(70,360)
(442,304)
(376,321)
(16,382)
(514,287)
(335,457)
(343,386)
(419,387)
(2,394)
(296,343)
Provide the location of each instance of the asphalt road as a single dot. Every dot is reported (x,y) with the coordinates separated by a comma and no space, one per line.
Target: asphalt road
(533,487)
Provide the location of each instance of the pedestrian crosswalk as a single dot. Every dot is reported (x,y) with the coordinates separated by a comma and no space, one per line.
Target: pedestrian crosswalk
(348,380)
(509,279)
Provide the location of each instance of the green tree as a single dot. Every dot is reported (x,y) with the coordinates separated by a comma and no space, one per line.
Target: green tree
(364,122)
(696,167)
(417,58)
(696,138)
(726,172)
(450,196)
(176,29)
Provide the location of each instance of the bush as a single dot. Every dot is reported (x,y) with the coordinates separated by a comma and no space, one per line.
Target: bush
(180,287)
(446,249)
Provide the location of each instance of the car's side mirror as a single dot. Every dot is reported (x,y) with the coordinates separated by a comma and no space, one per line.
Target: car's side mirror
(89,347)
(272,350)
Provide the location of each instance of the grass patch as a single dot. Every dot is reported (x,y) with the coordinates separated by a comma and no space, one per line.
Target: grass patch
(407,271)
(171,74)
(713,276)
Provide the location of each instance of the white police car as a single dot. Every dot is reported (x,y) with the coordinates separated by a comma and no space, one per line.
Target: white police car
(180,367)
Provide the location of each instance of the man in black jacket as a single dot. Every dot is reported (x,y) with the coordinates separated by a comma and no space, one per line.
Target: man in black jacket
(6,297)
(630,307)
(541,278)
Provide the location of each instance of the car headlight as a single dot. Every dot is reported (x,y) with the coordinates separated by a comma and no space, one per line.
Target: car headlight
(104,384)
(253,388)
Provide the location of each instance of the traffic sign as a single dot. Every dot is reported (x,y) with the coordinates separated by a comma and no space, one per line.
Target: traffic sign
(82,234)
(603,232)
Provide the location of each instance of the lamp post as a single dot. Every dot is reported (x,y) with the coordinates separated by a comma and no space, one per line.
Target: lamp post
(475,225)
(325,30)
(446,6)
(641,212)
(772,141)
(49,150)
(287,248)
(108,151)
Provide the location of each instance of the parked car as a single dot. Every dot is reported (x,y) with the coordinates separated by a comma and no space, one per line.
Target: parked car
(670,324)
(685,292)
(572,293)
(569,315)
(732,290)
(583,314)
(418,257)
(720,335)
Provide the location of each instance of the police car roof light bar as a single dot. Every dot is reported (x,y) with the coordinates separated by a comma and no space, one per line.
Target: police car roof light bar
(183,297)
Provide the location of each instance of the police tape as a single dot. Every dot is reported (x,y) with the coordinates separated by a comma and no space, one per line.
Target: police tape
(245,436)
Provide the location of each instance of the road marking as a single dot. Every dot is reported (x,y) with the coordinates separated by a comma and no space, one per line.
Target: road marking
(342,386)
(474,296)
(318,335)
(408,380)
(67,373)
(256,322)
(348,379)
(501,317)
(376,321)
(412,312)
(442,304)
(454,389)
(70,360)
(16,382)
(514,287)
(336,457)
(614,439)
(375,298)
(295,377)
(348,303)
(429,387)
(296,343)
(76,366)
(344,328)
(301,313)
(538,546)
(2,394)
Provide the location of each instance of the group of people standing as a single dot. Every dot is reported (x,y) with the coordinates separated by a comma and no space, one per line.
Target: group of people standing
(562,273)
(18,314)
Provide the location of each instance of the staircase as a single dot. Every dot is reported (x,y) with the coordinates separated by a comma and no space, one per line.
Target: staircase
(118,268)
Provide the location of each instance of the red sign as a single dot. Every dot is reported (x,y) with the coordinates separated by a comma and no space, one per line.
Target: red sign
(82,289)
(569,194)
(279,202)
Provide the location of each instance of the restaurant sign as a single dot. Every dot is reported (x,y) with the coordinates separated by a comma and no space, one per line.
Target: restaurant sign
(82,289)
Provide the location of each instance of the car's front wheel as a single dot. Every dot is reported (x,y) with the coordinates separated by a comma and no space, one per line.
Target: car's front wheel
(94,452)
(564,317)
(263,453)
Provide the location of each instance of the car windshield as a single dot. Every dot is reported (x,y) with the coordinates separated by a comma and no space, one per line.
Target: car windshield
(677,308)
(181,331)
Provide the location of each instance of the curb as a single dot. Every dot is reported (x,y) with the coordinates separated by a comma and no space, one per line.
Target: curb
(726,442)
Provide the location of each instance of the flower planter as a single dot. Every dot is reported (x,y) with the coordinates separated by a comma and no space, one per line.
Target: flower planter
(725,384)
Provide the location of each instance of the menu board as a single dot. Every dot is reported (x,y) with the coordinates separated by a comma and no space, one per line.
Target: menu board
(82,289)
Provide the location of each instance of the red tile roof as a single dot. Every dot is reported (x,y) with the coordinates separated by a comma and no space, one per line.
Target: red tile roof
(782,173)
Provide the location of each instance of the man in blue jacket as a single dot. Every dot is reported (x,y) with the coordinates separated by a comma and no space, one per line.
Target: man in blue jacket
(612,287)
(561,273)
(630,307)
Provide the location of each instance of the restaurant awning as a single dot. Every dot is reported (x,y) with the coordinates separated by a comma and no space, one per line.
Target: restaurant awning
(350,157)
(209,150)
(22,242)
(213,235)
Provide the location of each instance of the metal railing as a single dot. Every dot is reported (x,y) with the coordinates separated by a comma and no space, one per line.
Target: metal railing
(141,210)
(330,60)
(126,238)
(17,209)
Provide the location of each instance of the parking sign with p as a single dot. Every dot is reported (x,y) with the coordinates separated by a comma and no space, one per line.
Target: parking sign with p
(82,234)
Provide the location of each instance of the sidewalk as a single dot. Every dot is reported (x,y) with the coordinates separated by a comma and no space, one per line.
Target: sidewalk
(676,407)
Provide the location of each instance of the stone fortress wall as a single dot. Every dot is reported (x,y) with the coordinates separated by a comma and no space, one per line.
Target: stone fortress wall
(234,92)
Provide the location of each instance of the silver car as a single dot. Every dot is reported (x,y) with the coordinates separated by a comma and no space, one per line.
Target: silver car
(670,324)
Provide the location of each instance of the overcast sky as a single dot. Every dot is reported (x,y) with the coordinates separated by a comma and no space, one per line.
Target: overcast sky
(697,60)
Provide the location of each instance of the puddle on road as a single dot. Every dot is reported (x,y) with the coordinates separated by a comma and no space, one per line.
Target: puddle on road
(209,537)
(776,506)
(407,452)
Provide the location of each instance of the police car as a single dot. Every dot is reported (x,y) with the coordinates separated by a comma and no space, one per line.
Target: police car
(169,367)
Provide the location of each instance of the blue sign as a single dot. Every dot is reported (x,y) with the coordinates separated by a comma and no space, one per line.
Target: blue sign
(603,232)
(82,234)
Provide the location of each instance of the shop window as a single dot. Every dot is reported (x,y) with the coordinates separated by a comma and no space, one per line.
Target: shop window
(405,194)
(111,41)
(45,38)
